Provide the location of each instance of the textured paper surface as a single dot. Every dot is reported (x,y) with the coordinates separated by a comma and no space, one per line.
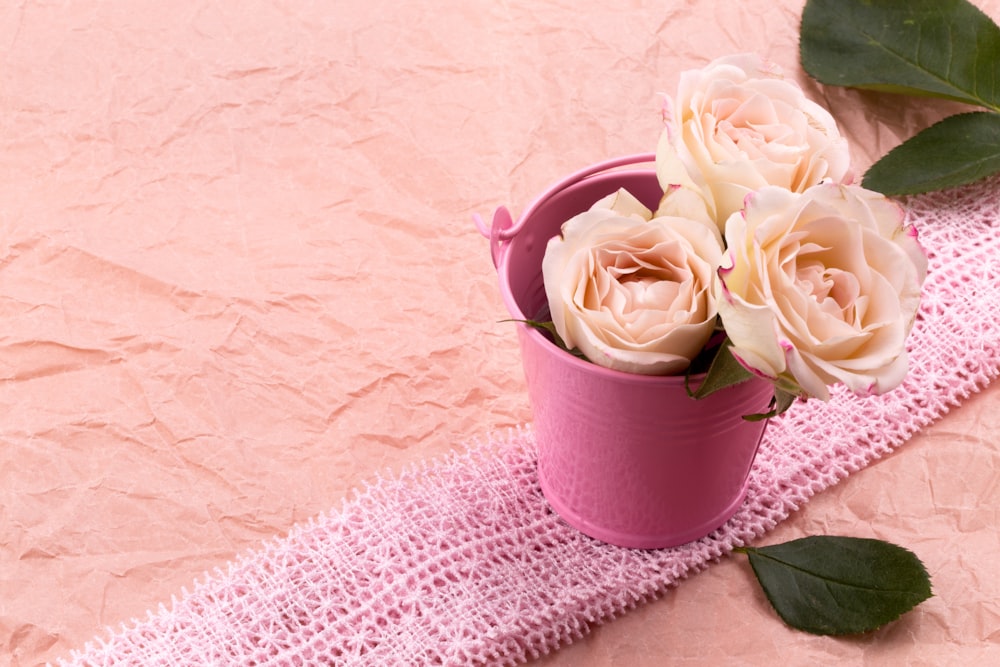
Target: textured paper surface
(462,561)
(238,277)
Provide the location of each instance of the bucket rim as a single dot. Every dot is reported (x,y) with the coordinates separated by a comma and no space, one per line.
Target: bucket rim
(546,346)
(595,172)
(590,171)
(505,229)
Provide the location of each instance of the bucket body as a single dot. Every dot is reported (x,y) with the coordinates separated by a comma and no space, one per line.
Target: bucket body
(628,459)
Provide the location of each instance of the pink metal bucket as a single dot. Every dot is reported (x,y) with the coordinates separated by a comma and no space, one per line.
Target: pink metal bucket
(628,459)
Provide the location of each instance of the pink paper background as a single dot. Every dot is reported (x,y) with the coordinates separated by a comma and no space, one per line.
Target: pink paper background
(239,277)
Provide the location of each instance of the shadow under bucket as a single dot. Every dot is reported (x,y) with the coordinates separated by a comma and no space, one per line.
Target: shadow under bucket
(628,459)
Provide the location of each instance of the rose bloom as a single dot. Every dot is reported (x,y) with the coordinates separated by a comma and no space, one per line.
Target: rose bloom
(821,287)
(632,292)
(736,126)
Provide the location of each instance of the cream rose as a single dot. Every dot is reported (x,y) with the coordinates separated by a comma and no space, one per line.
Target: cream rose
(630,291)
(736,126)
(821,287)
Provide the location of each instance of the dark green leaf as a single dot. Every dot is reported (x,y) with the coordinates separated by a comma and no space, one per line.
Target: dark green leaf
(942,48)
(781,402)
(957,150)
(724,372)
(839,585)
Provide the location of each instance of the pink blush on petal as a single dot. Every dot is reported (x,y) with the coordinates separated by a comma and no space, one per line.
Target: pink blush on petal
(753,371)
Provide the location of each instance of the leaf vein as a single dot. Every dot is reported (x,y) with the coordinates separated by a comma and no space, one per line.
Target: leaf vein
(845,584)
(945,81)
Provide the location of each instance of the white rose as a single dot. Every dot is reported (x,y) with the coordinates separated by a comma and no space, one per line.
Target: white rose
(821,287)
(632,292)
(736,125)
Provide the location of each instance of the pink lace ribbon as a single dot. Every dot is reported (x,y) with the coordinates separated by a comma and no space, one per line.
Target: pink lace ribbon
(460,561)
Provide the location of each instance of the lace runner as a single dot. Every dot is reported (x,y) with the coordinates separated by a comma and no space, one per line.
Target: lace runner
(460,561)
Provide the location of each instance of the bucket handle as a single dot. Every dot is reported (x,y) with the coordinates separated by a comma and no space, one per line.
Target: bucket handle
(503,228)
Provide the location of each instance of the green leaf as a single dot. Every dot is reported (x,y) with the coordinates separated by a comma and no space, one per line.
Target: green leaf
(830,585)
(780,403)
(941,48)
(725,371)
(957,150)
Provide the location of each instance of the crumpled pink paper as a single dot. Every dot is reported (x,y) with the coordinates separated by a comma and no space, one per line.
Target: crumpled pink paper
(462,561)
(238,278)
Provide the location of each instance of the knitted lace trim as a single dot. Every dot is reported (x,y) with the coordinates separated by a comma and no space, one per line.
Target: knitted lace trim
(460,561)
